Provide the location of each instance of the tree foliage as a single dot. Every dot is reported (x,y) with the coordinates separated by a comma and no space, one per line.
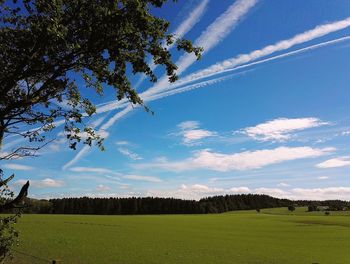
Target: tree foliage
(50,49)
(8,234)
(154,205)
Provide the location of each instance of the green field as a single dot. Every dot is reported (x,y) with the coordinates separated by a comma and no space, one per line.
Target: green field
(272,236)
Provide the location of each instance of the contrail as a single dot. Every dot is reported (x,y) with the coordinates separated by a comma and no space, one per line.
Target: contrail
(182,29)
(112,105)
(212,81)
(220,67)
(210,37)
(85,150)
(187,88)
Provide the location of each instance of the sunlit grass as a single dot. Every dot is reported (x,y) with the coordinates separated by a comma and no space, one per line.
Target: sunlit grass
(271,236)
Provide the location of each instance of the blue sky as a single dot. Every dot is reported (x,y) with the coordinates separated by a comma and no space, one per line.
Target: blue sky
(266,110)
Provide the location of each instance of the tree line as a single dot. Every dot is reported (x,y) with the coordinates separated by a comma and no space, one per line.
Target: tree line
(153,205)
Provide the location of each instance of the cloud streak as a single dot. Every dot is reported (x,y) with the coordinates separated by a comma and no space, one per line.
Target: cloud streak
(209,38)
(193,18)
(198,191)
(130,154)
(14,166)
(91,170)
(247,160)
(142,178)
(334,163)
(45,183)
(214,34)
(280,129)
(182,86)
(245,60)
(231,63)
(192,134)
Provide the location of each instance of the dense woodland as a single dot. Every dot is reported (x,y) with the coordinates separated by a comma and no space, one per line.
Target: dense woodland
(150,205)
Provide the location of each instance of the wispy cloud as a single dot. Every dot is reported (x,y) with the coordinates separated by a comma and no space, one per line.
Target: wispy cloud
(194,135)
(85,150)
(309,35)
(226,65)
(280,129)
(206,159)
(14,166)
(91,169)
(283,184)
(192,19)
(334,163)
(198,191)
(323,178)
(45,183)
(103,188)
(210,37)
(188,125)
(122,143)
(191,133)
(321,193)
(142,178)
(183,86)
(130,154)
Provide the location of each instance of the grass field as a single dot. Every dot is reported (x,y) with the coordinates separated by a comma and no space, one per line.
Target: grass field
(272,236)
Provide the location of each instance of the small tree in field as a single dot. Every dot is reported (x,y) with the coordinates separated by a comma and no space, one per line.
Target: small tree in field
(47,47)
(291,208)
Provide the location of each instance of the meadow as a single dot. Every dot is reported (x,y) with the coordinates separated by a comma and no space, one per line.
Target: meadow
(271,236)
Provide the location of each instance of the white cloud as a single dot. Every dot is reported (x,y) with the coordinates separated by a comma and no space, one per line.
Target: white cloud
(192,134)
(45,183)
(327,193)
(206,159)
(142,178)
(196,134)
(275,192)
(91,169)
(283,184)
(280,129)
(238,190)
(196,191)
(130,154)
(122,143)
(103,188)
(334,163)
(323,178)
(14,166)
(188,125)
